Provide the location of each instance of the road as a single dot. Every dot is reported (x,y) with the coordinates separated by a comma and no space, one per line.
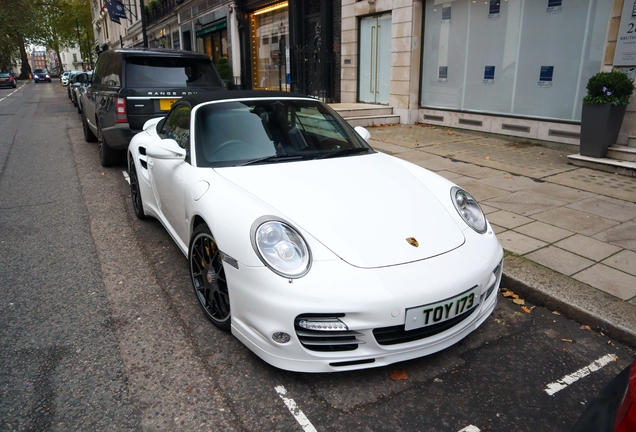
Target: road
(100,329)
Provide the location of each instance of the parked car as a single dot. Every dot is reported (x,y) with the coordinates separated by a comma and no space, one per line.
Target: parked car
(69,80)
(614,409)
(7,80)
(78,87)
(131,86)
(317,252)
(40,75)
(64,77)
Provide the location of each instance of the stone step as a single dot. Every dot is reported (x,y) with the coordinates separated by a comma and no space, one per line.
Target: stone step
(363,112)
(632,141)
(348,110)
(373,120)
(604,164)
(622,152)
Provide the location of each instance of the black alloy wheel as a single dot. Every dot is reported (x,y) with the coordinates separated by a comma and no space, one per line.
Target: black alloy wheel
(208,277)
(89,136)
(135,193)
(107,156)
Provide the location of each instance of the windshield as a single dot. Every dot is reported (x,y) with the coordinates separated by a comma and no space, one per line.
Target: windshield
(4,75)
(162,72)
(41,71)
(271,131)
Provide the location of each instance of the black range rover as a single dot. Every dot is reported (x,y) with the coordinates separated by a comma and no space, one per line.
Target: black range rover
(131,86)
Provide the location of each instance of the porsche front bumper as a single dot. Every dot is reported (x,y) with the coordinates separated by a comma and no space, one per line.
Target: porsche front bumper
(371,302)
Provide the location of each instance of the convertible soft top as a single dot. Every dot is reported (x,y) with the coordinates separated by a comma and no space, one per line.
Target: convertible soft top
(216,95)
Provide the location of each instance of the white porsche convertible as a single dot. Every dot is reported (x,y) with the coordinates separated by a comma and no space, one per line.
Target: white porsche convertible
(317,252)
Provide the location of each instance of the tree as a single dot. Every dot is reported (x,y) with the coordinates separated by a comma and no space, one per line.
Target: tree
(55,24)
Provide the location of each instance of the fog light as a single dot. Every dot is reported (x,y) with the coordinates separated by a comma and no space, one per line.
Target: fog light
(281,337)
(324,324)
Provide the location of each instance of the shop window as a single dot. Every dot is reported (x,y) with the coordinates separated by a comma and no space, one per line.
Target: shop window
(528,59)
(270,39)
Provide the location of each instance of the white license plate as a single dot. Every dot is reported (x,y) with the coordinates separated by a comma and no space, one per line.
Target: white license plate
(435,313)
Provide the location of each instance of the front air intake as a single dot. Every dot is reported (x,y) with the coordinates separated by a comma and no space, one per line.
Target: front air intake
(325,333)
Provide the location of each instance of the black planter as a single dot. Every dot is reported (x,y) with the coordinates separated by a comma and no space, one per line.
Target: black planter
(600,125)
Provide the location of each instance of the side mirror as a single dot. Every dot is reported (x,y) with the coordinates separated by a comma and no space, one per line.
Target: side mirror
(363,132)
(166,149)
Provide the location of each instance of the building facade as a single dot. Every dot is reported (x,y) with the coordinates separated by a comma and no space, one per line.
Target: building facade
(513,67)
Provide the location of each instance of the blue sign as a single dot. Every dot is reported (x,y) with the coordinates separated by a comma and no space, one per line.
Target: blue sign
(489,73)
(546,73)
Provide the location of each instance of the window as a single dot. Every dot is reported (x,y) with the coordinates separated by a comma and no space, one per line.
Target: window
(177,126)
(522,58)
(161,72)
(74,58)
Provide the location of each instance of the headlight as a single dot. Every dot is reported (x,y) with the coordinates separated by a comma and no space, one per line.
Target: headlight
(281,248)
(468,209)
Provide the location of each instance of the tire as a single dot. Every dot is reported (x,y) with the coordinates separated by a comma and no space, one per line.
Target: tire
(208,278)
(108,157)
(89,136)
(135,192)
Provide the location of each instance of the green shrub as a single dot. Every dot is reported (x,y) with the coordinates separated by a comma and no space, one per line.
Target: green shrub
(223,66)
(609,87)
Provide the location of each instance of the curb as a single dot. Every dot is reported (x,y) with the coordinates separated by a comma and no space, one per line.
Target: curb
(575,300)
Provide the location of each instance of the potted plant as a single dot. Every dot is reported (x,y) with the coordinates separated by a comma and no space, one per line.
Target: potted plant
(603,111)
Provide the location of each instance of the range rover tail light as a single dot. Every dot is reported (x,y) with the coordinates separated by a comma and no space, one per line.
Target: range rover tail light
(120,111)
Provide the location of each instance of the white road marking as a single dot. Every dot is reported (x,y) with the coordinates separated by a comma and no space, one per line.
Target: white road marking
(126,177)
(296,412)
(9,94)
(573,377)
(470,428)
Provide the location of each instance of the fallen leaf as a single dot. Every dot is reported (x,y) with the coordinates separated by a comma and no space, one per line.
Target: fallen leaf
(188,389)
(525,309)
(450,132)
(398,375)
(585,327)
(567,340)
(555,313)
(519,301)
(487,157)
(508,176)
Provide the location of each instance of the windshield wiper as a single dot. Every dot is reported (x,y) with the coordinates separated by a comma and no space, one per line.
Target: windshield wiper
(272,158)
(345,152)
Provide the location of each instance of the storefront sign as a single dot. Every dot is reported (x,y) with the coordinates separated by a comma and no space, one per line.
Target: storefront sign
(625,54)
(489,75)
(545,76)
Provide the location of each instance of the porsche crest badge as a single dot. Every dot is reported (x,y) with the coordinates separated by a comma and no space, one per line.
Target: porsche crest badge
(412,242)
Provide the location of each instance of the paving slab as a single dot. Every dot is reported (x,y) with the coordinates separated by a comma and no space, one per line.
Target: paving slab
(543,231)
(610,280)
(508,219)
(607,207)
(559,192)
(624,261)
(525,202)
(560,260)
(518,243)
(623,235)
(588,247)
(575,220)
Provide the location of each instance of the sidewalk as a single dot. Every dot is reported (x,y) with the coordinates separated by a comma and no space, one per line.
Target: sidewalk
(569,232)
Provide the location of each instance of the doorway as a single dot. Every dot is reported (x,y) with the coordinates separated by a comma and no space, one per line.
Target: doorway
(375,59)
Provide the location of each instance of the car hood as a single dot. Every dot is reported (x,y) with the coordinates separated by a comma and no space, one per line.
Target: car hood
(363,208)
